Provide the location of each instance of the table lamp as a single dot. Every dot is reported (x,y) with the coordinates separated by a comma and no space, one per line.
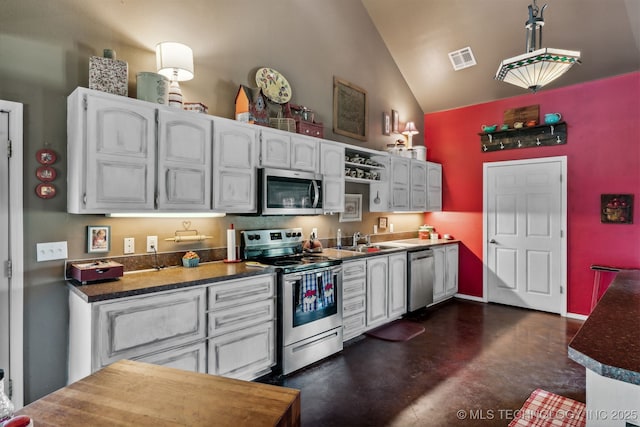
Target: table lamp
(409,131)
(175,61)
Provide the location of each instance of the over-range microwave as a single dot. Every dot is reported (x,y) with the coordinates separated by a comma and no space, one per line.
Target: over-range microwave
(287,192)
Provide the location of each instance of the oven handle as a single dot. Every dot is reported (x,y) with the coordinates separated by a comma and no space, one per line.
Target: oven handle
(294,277)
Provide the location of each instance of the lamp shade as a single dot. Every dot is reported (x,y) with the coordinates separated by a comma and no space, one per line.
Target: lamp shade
(410,129)
(174,60)
(538,68)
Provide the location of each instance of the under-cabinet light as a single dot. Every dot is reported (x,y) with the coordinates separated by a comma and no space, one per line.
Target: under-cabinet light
(166,215)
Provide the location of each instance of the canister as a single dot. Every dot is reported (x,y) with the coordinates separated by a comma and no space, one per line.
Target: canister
(152,87)
(421,152)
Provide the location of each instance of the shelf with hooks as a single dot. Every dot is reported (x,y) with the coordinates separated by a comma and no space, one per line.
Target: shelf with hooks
(534,136)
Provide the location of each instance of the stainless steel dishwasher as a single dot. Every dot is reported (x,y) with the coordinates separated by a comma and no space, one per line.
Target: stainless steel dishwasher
(421,278)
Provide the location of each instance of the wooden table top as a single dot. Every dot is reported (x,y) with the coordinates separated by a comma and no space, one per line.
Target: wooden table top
(130,393)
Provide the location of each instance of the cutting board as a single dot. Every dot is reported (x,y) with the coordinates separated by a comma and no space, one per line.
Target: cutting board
(521,114)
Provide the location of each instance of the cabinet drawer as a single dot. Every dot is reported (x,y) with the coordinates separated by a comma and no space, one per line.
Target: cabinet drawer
(191,357)
(221,321)
(242,291)
(244,354)
(143,325)
(353,287)
(354,305)
(353,326)
(353,269)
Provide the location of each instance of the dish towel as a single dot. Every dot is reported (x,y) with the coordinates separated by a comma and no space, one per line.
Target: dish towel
(327,282)
(309,292)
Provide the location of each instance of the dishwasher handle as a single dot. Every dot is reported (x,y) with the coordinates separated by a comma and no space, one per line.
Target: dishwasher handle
(426,253)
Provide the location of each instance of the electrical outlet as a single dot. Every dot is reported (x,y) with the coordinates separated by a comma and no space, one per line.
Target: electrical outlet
(129,245)
(152,243)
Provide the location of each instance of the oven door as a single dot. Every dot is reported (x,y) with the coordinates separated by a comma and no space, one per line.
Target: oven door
(285,192)
(311,303)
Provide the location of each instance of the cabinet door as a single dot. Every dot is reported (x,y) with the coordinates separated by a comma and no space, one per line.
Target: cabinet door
(184,161)
(399,182)
(304,153)
(235,158)
(146,324)
(275,149)
(331,166)
(379,197)
(353,326)
(451,278)
(434,187)
(397,285)
(418,185)
(439,277)
(120,142)
(377,290)
(191,358)
(245,354)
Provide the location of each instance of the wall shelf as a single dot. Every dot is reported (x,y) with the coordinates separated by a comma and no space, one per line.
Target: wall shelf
(534,136)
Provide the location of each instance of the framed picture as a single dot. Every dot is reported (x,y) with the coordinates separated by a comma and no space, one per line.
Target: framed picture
(395,122)
(616,208)
(98,238)
(386,124)
(352,208)
(382,222)
(350,110)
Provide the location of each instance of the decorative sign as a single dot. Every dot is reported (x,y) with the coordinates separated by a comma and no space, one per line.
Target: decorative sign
(350,110)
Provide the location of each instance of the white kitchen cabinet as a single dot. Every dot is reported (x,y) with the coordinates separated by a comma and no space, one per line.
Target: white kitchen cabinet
(446,271)
(184,161)
(111,153)
(225,328)
(377,291)
(354,296)
(418,197)
(434,187)
(332,169)
(400,177)
(397,285)
(235,166)
(286,150)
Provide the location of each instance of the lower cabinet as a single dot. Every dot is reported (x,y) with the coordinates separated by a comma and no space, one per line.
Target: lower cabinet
(446,271)
(386,288)
(224,328)
(354,297)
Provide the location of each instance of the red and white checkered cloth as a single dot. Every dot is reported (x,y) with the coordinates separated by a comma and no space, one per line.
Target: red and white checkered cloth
(545,409)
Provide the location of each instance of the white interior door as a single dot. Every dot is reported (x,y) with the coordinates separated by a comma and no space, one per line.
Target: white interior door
(11,270)
(525,246)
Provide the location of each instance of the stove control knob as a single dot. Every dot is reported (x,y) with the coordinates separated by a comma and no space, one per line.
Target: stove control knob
(257,236)
(289,234)
(251,236)
(298,234)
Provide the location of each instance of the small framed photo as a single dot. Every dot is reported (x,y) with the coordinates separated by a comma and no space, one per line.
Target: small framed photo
(98,238)
(386,124)
(352,208)
(395,122)
(616,208)
(382,222)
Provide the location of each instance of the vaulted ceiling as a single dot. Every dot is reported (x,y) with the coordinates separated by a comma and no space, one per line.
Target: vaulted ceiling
(420,33)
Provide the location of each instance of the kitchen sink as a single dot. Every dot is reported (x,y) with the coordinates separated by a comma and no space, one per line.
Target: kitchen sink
(367,248)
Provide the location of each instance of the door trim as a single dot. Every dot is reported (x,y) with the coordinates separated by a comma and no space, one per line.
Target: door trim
(563,222)
(16,237)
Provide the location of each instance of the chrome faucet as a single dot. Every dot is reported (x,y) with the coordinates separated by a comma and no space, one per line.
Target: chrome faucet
(356,237)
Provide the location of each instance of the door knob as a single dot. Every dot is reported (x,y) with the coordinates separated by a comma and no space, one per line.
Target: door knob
(492,241)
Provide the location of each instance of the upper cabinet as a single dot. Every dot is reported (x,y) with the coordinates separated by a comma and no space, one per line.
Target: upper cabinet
(418,197)
(286,150)
(331,167)
(235,162)
(434,187)
(111,153)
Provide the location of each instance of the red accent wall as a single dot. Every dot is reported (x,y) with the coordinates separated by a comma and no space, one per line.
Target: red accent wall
(603,156)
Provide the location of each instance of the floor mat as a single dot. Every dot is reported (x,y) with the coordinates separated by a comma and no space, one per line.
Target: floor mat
(544,409)
(398,330)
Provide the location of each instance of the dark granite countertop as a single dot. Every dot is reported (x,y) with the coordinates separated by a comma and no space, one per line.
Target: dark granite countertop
(176,277)
(608,342)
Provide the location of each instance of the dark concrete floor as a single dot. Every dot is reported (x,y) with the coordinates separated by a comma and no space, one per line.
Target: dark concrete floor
(474,365)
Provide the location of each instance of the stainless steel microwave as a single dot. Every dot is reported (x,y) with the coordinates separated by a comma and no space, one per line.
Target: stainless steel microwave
(287,192)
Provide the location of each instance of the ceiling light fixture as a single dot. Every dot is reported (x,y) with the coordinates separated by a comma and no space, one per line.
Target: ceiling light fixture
(539,66)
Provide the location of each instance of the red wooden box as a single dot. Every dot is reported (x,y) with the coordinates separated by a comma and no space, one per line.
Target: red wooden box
(309,128)
(95,271)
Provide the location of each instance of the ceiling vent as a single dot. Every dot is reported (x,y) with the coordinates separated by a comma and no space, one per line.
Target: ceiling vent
(462,58)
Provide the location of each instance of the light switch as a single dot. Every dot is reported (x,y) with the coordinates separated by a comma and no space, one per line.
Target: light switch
(51,251)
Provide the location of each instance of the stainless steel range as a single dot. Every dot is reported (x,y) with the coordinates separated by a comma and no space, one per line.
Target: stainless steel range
(309,296)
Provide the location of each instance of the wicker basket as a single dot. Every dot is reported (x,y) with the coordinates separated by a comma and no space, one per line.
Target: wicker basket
(283,124)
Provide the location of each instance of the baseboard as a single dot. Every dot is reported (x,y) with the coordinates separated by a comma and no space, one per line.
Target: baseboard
(576,316)
(470,297)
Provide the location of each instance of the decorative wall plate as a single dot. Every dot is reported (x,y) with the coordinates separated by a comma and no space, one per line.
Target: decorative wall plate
(273,85)
(46,173)
(46,156)
(45,191)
